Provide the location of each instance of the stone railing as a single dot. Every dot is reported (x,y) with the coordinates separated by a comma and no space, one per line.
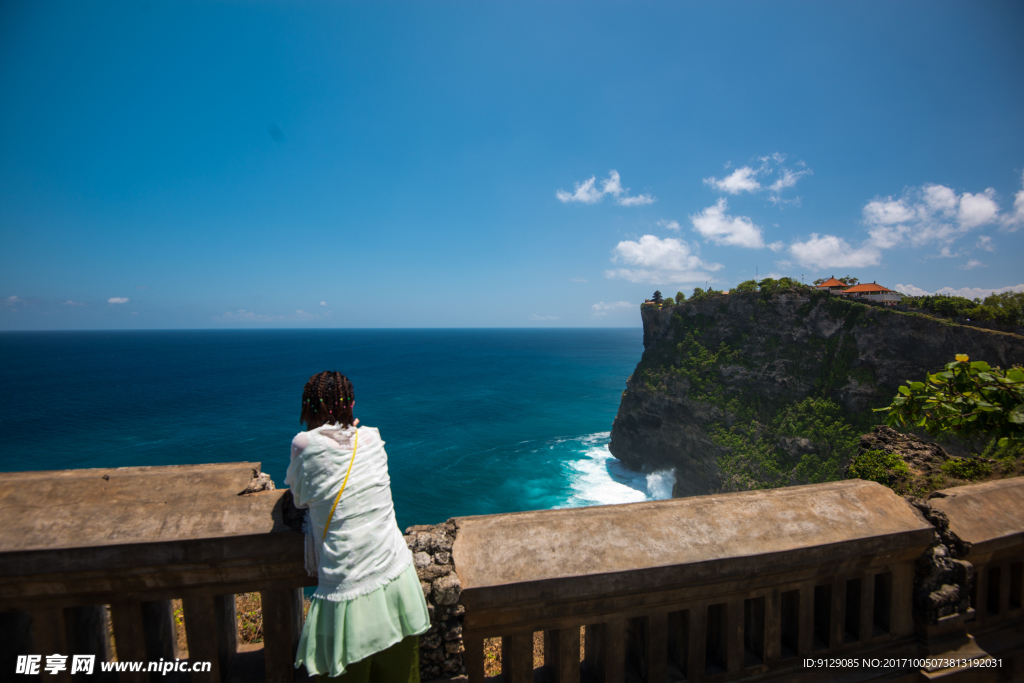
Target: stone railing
(990,516)
(742,586)
(75,541)
(747,586)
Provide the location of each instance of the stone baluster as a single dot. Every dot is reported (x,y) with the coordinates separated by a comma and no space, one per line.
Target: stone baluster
(282,626)
(562,654)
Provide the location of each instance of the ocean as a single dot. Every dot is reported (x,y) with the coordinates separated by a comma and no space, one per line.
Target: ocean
(475,421)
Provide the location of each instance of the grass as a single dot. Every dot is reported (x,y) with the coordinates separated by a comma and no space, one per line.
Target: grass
(492,652)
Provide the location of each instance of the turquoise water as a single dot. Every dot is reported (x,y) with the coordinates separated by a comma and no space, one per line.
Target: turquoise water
(475,421)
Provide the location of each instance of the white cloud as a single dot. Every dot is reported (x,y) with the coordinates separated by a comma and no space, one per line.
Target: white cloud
(534,316)
(323,303)
(967,292)
(911,290)
(117,300)
(578,279)
(887,212)
(929,214)
(978,209)
(602,309)
(787,179)
(69,302)
(714,224)
(743,179)
(12,299)
(659,261)
(830,251)
(587,192)
(972,264)
(671,225)
(1012,221)
(613,184)
(985,242)
(750,179)
(639,200)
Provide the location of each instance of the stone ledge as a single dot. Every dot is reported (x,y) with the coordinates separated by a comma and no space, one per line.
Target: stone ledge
(682,539)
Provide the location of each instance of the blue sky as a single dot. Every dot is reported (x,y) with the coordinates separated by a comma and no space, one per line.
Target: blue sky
(220,165)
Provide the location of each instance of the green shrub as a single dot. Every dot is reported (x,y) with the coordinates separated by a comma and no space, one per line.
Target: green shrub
(885,468)
(966,468)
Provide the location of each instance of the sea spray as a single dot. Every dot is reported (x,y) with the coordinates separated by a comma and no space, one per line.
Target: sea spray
(659,484)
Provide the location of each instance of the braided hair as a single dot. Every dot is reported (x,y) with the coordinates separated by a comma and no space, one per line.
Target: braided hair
(327,399)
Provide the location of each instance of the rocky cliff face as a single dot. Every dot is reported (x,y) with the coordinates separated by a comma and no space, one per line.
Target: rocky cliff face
(751,390)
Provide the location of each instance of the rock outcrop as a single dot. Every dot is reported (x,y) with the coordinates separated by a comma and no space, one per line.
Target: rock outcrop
(718,375)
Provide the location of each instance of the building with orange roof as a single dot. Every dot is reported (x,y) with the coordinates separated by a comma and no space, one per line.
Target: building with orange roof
(874,292)
(832,284)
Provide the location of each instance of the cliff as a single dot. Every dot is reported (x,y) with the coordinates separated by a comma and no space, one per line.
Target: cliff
(756,390)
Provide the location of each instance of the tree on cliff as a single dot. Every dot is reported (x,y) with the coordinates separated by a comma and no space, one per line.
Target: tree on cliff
(657,297)
(747,286)
(968,399)
(680,297)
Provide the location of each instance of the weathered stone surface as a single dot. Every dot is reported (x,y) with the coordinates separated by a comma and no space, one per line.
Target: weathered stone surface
(787,348)
(986,515)
(452,665)
(433,571)
(447,590)
(435,656)
(942,580)
(441,647)
(690,535)
(101,507)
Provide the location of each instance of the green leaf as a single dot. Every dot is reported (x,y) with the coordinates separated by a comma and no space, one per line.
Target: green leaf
(1015,375)
(904,390)
(1016,415)
(980,365)
(917,386)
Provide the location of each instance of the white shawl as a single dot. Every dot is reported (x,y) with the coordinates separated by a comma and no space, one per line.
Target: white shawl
(364,549)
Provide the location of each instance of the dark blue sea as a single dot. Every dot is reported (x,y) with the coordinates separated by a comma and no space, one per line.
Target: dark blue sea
(475,421)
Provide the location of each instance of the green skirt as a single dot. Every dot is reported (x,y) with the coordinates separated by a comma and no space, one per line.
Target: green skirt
(337,634)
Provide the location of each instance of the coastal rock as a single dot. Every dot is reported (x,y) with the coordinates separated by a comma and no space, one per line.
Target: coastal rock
(737,361)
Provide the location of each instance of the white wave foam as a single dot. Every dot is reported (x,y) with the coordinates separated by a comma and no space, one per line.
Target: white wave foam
(596,477)
(659,484)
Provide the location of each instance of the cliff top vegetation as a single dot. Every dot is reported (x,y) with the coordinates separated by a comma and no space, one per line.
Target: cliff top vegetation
(1005,309)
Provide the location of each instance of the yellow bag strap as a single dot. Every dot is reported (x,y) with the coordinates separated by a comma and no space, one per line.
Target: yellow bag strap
(335,506)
